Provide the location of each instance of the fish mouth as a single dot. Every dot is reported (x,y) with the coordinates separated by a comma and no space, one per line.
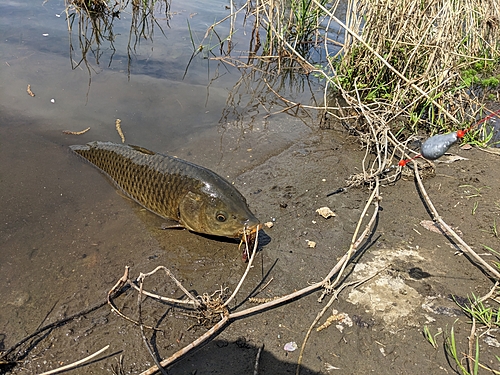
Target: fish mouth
(248,233)
(248,236)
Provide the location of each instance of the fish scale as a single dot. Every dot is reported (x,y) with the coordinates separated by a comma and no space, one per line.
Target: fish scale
(173,188)
(141,176)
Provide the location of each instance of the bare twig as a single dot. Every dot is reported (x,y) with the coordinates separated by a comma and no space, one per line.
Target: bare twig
(472,337)
(354,283)
(355,243)
(166,299)
(119,285)
(140,279)
(192,298)
(466,248)
(257,359)
(76,364)
(254,251)
(264,286)
(212,331)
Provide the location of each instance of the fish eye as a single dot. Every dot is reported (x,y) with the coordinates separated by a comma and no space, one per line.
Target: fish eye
(221,216)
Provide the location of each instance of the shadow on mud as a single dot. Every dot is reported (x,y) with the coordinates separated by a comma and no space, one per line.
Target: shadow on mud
(237,357)
(219,356)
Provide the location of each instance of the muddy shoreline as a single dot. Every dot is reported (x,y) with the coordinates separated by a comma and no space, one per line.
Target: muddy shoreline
(81,234)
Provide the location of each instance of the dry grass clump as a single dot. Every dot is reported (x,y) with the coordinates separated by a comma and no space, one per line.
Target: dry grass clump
(390,68)
(91,7)
(409,58)
(428,44)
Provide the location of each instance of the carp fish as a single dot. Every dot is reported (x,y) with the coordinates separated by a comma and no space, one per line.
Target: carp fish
(197,198)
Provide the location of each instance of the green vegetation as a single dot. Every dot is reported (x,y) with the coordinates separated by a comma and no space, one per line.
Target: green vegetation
(483,318)
(451,347)
(481,74)
(419,63)
(487,318)
(430,337)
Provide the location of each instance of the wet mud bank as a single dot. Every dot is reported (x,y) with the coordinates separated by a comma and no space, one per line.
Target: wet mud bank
(66,237)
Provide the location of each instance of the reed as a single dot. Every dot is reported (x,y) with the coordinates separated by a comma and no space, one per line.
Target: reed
(92,22)
(430,43)
(427,62)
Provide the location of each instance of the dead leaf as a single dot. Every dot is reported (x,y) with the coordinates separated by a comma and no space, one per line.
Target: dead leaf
(449,158)
(28,90)
(325,212)
(466,147)
(311,244)
(118,126)
(76,133)
(436,227)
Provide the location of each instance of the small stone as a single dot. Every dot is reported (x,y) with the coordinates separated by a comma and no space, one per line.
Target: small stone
(269,224)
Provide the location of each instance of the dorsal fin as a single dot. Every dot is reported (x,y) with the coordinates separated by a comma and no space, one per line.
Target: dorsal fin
(143,150)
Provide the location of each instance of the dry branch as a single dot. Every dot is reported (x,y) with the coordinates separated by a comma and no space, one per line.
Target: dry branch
(212,331)
(77,363)
(140,279)
(354,284)
(227,317)
(463,245)
(249,265)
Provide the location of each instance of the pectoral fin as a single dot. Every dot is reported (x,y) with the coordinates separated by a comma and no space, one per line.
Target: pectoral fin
(171,224)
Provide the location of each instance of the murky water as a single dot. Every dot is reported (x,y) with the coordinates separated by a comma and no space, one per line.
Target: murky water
(158,106)
(65,235)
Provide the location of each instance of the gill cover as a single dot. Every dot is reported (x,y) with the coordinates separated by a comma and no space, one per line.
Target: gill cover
(190,212)
(215,214)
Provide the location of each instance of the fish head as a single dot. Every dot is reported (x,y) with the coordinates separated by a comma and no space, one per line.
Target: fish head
(218,215)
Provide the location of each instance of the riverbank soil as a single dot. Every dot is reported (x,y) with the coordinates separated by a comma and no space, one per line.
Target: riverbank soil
(67,236)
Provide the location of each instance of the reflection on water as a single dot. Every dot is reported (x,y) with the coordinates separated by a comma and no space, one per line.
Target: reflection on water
(93,25)
(137,65)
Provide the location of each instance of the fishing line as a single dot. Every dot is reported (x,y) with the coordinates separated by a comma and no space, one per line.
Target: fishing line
(436,146)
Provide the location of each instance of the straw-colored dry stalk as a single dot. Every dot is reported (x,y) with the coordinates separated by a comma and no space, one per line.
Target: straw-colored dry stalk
(429,43)
(400,63)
